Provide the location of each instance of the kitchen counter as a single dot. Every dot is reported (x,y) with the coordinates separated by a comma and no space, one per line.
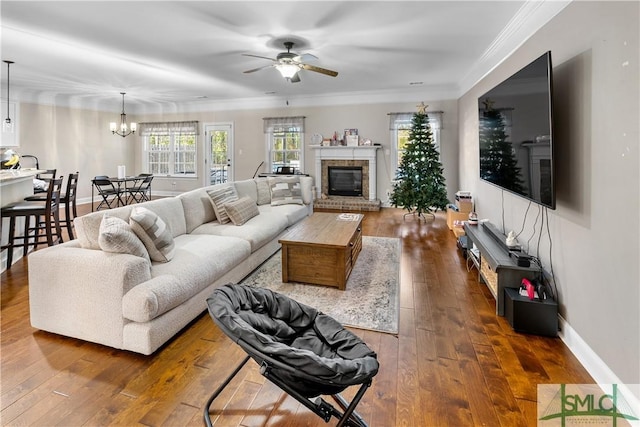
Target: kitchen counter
(11,175)
(15,185)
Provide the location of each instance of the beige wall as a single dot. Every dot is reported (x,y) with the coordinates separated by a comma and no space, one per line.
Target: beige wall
(594,230)
(72,139)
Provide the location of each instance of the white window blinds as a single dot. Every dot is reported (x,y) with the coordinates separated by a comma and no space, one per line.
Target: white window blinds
(283,124)
(168,128)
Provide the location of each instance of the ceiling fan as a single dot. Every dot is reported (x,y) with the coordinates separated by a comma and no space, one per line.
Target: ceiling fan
(289,63)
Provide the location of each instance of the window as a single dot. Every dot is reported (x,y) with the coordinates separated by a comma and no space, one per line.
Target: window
(170,148)
(285,143)
(400,127)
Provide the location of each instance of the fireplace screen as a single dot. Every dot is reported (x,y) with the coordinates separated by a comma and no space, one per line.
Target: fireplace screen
(345,181)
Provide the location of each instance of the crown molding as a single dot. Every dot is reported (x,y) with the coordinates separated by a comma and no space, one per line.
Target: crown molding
(532,16)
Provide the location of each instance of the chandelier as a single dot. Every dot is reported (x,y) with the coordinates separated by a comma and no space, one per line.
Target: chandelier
(124,129)
(8,125)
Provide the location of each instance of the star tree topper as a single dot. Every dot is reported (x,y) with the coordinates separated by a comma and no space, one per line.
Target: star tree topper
(422,109)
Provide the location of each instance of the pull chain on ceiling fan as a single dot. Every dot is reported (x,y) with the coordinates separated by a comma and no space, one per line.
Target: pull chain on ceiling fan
(289,63)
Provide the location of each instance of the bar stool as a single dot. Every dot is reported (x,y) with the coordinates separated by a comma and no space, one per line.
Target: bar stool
(68,200)
(45,176)
(48,209)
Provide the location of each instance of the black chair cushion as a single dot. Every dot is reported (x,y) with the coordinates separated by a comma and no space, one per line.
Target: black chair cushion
(320,355)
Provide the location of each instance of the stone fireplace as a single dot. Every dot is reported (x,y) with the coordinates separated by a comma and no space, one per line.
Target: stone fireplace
(348,158)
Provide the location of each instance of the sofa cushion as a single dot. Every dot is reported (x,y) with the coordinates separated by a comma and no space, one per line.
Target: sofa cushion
(198,208)
(219,196)
(264,192)
(285,191)
(116,236)
(199,261)
(154,233)
(241,210)
(246,188)
(258,231)
(87,226)
(292,213)
(170,209)
(306,182)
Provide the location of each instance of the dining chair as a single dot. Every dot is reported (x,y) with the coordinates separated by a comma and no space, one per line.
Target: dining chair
(141,190)
(110,194)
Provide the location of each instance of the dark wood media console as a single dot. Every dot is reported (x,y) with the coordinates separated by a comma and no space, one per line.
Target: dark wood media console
(496,268)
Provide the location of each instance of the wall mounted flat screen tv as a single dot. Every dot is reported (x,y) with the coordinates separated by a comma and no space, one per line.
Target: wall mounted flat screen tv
(516,133)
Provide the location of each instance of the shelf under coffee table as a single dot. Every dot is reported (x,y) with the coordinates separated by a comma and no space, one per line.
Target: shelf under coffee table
(322,249)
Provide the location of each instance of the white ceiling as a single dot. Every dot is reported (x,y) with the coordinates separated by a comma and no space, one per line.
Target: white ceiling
(188,55)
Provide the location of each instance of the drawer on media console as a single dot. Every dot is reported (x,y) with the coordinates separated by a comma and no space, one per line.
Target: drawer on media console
(538,317)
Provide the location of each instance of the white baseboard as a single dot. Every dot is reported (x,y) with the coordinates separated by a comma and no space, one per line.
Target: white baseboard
(596,367)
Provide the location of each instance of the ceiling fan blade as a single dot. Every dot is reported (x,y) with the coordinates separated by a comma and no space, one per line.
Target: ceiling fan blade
(305,57)
(295,78)
(258,69)
(319,70)
(258,56)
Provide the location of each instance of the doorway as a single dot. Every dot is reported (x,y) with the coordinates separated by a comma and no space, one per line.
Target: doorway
(219,162)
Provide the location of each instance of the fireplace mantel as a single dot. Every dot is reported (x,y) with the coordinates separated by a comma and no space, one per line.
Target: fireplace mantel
(361,152)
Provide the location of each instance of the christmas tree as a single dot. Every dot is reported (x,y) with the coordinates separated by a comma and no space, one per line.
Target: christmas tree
(498,163)
(420,182)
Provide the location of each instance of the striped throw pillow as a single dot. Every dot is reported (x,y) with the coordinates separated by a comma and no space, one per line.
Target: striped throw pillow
(116,236)
(220,195)
(154,233)
(241,210)
(285,191)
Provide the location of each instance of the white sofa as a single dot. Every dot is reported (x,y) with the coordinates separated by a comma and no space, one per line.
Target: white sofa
(127,302)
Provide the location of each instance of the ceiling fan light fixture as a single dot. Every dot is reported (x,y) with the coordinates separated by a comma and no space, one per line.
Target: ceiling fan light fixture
(288,70)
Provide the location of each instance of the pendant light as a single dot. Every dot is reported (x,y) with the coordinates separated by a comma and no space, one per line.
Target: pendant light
(8,125)
(124,129)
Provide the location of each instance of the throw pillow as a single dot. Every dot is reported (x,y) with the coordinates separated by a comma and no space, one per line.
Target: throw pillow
(285,191)
(154,233)
(241,210)
(219,197)
(116,236)
(264,192)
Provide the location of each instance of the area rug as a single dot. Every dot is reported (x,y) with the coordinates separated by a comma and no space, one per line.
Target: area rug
(371,298)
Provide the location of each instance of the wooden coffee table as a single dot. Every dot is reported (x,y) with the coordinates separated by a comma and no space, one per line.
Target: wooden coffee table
(322,249)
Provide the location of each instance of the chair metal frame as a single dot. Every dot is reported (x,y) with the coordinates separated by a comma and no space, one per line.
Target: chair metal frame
(141,190)
(349,417)
(108,191)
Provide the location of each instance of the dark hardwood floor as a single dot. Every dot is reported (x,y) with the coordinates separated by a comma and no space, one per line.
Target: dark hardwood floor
(453,363)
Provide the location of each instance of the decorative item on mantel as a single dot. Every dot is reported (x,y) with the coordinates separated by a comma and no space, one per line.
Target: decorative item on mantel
(350,138)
